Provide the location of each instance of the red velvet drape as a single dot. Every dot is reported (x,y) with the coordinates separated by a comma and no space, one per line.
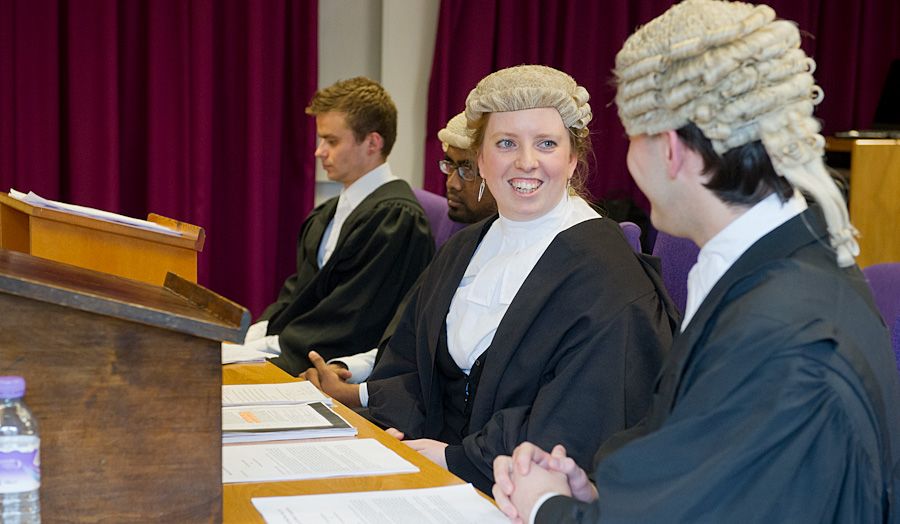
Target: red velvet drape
(192,109)
(852,42)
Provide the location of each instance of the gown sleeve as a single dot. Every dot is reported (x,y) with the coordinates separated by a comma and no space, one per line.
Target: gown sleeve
(368,276)
(594,360)
(750,439)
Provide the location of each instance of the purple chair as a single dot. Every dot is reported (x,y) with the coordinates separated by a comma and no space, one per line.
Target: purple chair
(632,234)
(436,208)
(884,280)
(677,256)
(895,340)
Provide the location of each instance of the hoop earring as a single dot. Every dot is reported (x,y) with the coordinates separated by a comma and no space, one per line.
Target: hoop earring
(481,190)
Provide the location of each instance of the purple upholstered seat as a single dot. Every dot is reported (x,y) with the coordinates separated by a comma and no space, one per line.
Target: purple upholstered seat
(677,256)
(895,339)
(884,279)
(633,234)
(436,208)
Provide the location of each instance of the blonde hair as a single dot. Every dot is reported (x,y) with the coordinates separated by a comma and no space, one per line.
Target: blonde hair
(740,76)
(369,108)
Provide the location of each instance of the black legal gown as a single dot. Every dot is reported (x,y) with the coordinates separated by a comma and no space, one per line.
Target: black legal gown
(344,307)
(778,403)
(585,333)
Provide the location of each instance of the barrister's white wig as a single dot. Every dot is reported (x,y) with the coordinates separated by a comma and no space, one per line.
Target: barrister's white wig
(739,75)
(530,87)
(455,134)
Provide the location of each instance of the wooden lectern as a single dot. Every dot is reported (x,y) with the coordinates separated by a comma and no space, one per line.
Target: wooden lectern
(125,381)
(101,245)
(874,195)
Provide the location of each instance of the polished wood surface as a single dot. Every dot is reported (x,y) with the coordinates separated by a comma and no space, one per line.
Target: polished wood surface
(875,199)
(237,505)
(874,196)
(125,381)
(100,245)
(184,307)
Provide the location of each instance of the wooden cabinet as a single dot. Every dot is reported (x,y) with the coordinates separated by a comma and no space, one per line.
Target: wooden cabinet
(125,381)
(874,173)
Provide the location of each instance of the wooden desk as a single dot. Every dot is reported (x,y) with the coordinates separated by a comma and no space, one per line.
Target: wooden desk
(236,497)
(874,196)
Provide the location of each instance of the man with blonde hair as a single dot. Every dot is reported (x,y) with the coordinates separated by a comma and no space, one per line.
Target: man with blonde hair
(358,253)
(778,401)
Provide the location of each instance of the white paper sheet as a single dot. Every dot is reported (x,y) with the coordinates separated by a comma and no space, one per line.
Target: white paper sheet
(272,418)
(234,353)
(271,394)
(310,460)
(444,505)
(39,201)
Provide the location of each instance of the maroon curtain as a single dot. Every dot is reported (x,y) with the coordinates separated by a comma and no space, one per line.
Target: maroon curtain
(852,42)
(189,109)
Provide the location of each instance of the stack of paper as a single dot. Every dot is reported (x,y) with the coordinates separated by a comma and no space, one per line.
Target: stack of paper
(234,353)
(38,201)
(444,505)
(308,460)
(282,422)
(272,394)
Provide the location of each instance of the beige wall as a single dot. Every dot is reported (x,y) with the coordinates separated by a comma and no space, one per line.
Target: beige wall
(391,41)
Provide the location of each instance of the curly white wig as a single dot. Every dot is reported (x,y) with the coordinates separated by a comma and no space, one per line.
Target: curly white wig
(529,87)
(739,75)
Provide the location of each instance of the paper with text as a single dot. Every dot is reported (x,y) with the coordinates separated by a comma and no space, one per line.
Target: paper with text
(310,460)
(270,394)
(35,200)
(444,505)
(234,353)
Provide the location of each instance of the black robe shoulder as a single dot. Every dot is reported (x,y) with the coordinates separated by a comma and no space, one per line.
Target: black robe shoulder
(585,333)
(344,307)
(778,403)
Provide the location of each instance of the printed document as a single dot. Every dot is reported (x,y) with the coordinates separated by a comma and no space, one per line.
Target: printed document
(32,199)
(310,460)
(283,422)
(444,505)
(268,394)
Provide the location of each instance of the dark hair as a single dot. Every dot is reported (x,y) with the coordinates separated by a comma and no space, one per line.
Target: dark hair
(743,175)
(368,107)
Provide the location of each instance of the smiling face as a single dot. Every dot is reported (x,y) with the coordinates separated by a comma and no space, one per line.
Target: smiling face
(343,158)
(526,158)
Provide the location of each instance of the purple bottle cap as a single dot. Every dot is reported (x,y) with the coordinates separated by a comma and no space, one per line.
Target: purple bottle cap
(12,387)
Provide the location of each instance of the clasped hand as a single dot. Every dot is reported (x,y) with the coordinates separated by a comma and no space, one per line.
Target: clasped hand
(332,380)
(530,473)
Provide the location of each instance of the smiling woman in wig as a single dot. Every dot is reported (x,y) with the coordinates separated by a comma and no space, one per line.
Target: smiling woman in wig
(529,319)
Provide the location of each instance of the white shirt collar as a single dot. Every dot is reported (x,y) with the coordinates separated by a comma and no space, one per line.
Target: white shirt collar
(365,185)
(723,250)
(503,260)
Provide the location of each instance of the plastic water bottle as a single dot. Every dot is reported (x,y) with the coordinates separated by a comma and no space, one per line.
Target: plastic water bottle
(20,459)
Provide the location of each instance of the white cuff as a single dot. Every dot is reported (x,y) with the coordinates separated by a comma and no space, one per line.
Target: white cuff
(267,345)
(360,365)
(256,331)
(537,505)
(364,395)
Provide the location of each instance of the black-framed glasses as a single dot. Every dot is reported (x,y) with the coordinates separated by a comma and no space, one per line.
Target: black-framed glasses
(464,169)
